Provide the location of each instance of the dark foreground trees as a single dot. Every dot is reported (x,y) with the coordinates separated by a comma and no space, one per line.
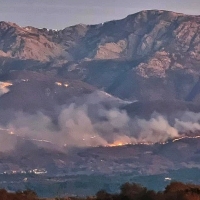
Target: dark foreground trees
(174,191)
(128,191)
(20,195)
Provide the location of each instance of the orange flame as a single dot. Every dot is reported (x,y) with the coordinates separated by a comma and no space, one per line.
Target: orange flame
(116,143)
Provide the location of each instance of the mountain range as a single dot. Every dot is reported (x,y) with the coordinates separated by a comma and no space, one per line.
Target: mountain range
(150,55)
(145,63)
(108,86)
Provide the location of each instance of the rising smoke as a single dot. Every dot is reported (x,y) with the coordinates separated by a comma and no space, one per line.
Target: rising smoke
(4,87)
(89,124)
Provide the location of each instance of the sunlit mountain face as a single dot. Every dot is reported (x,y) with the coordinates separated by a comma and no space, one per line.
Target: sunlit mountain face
(90,107)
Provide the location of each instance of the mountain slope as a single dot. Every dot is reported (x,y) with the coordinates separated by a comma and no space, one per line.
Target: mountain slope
(151,54)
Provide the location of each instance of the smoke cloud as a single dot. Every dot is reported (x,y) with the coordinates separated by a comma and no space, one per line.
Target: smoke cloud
(4,87)
(188,122)
(87,124)
(157,129)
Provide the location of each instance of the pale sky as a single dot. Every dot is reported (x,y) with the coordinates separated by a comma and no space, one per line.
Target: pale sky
(58,14)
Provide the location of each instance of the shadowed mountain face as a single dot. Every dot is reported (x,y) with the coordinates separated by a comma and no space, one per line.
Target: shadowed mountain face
(32,91)
(152,55)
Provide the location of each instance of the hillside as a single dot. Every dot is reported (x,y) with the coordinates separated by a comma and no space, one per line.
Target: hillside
(152,55)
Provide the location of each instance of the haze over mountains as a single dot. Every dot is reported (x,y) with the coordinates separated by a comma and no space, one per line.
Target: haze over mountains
(129,81)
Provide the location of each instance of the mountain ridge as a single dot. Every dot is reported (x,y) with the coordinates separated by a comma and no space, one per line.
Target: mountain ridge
(128,58)
(82,29)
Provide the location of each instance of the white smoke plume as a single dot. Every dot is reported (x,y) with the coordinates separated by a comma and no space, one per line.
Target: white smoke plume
(4,87)
(188,122)
(77,126)
(157,129)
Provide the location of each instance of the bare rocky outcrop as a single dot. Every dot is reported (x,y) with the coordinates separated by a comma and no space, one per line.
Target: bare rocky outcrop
(26,43)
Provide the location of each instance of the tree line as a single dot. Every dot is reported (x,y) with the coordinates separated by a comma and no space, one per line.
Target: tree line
(128,191)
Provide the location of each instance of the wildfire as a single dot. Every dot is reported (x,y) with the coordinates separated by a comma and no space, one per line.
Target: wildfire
(58,83)
(62,84)
(5,84)
(184,137)
(117,144)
